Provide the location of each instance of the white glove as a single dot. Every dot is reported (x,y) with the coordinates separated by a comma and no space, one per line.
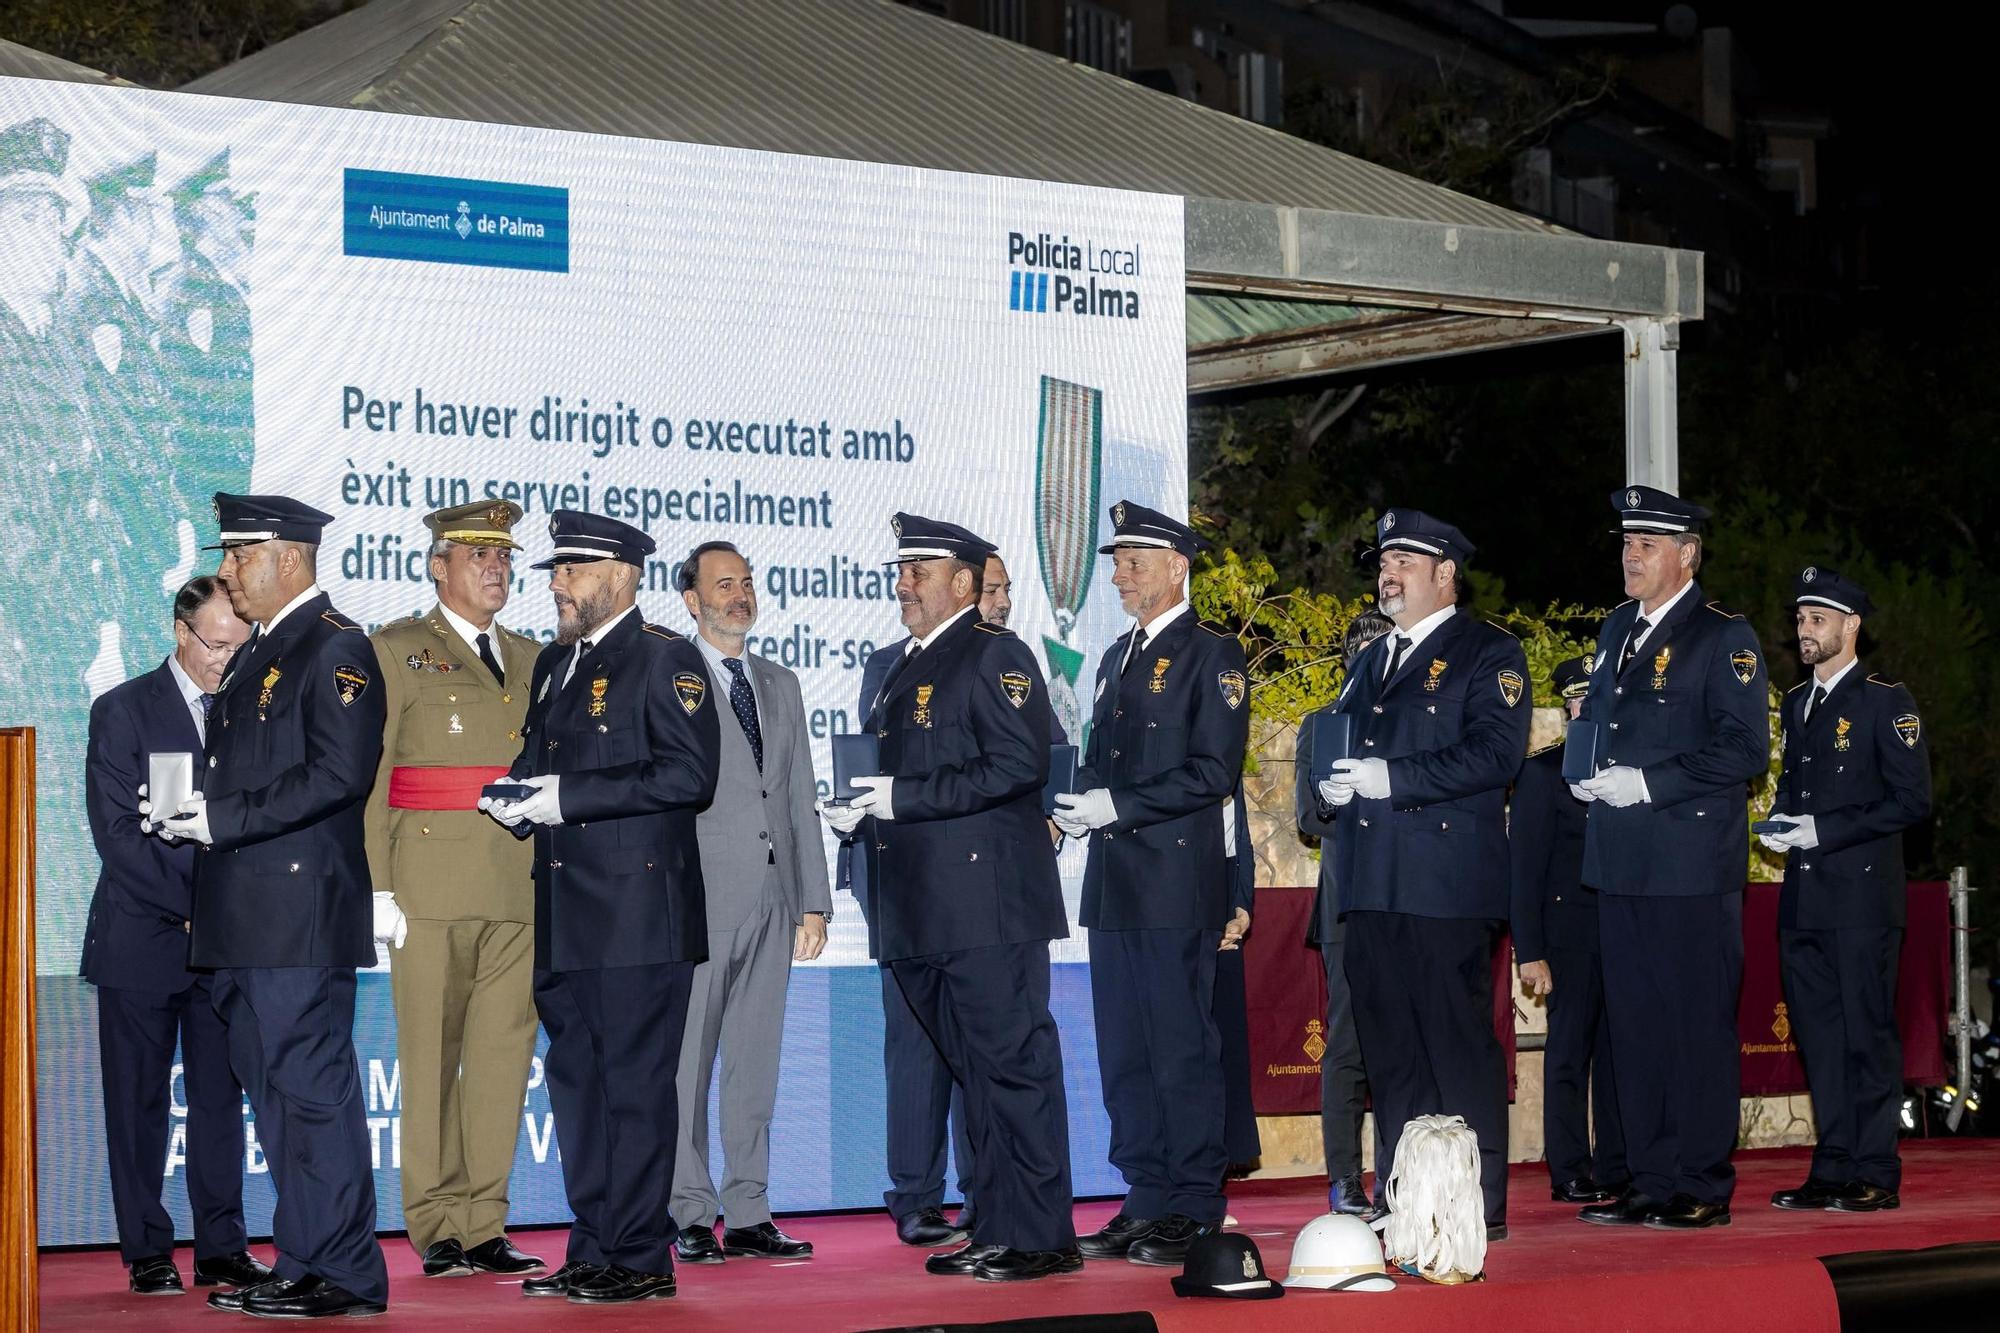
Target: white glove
(1618,786)
(391,926)
(544,807)
(1578,790)
(1077,813)
(843,819)
(1367,778)
(189,822)
(1804,837)
(1335,793)
(146,824)
(874,797)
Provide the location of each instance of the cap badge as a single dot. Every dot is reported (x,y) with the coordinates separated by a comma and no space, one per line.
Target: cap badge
(1632,498)
(1388,520)
(500,516)
(554,527)
(1812,572)
(1118,513)
(896,526)
(1249,1264)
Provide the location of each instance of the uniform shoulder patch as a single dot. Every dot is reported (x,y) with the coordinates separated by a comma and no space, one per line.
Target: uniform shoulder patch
(1744,663)
(689,688)
(664,633)
(1218,630)
(338,621)
(350,682)
(1909,729)
(1512,687)
(1234,689)
(1017,686)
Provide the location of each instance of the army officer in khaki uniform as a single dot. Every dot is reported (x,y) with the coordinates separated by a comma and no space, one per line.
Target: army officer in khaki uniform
(454,894)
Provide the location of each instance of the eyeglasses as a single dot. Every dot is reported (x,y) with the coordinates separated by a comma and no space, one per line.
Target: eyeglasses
(217,648)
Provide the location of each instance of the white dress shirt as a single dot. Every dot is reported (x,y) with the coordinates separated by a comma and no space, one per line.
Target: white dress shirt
(593,638)
(191,693)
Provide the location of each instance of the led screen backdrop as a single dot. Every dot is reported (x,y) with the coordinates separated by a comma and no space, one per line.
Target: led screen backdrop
(384,314)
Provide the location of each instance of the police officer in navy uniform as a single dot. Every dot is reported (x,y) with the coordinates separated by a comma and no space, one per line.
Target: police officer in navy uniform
(283,909)
(1680,691)
(1441,725)
(1856,774)
(966,895)
(135,951)
(621,746)
(1168,729)
(1555,946)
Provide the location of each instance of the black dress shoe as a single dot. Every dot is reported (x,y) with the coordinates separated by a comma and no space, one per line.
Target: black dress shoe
(696,1245)
(763,1241)
(156,1276)
(1581,1190)
(928,1230)
(241,1269)
(1116,1237)
(1348,1197)
(1496,1231)
(559,1282)
(1011,1265)
(1630,1209)
(968,1218)
(1167,1246)
(499,1256)
(961,1263)
(1861,1197)
(1807,1198)
(233,1300)
(307,1298)
(1684,1212)
(618,1284)
(446,1258)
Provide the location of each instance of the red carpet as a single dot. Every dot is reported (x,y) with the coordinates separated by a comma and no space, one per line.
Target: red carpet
(1554,1274)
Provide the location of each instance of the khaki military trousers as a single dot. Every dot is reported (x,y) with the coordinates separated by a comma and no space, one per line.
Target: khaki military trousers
(465,1036)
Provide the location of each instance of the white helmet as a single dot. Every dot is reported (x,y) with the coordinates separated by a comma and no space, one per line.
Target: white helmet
(1337,1252)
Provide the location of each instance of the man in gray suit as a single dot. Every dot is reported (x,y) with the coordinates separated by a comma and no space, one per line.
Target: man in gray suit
(768,903)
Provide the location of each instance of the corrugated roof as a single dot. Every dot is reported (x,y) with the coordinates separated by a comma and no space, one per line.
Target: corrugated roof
(860,79)
(24,62)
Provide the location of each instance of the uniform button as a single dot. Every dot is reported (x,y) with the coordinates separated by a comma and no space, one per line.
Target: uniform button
(1807,759)
(649,865)
(1364,823)
(602,728)
(1618,689)
(973,857)
(225,721)
(425,830)
(1559,897)
(506,698)
(1369,744)
(295,867)
(452,697)
(211,761)
(1180,842)
(555,865)
(1378,708)
(1152,724)
(764,837)
(1614,726)
(1805,796)
(1117,712)
(513,735)
(766,795)
(1114,754)
(881,846)
(881,735)
(1443,827)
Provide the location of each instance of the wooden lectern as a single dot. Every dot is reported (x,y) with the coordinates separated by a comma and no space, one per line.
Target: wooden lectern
(19,1290)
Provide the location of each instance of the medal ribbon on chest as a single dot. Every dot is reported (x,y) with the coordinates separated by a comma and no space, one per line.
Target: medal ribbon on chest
(1660,660)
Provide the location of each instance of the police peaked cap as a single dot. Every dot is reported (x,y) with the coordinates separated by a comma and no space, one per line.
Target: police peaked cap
(245,520)
(582,537)
(1572,678)
(1818,586)
(1649,509)
(1135,525)
(1414,530)
(919,538)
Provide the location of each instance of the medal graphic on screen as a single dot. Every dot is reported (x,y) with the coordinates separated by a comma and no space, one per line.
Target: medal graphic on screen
(1068,464)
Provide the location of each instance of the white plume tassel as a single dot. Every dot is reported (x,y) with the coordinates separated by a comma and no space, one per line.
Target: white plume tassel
(1437,1215)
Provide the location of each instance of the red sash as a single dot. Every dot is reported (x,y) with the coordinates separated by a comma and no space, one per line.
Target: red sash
(440,788)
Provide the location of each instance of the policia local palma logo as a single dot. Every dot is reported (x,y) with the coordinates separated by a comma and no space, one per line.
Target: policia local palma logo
(1083,277)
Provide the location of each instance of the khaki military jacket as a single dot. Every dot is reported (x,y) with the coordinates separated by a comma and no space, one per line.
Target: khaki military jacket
(446,710)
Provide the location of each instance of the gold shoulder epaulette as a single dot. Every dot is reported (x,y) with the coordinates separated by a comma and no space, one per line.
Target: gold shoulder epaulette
(1722,611)
(660,630)
(1874,679)
(1796,688)
(1219,631)
(1502,628)
(1627,602)
(990,628)
(338,621)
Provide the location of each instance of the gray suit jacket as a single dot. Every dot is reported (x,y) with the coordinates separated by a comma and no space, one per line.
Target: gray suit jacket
(756,817)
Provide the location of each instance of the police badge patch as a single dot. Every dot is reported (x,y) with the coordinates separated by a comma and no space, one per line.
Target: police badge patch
(1511,687)
(1910,728)
(689,688)
(350,681)
(1232,687)
(1744,662)
(1017,686)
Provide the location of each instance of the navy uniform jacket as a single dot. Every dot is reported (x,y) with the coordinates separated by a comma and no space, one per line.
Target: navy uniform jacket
(137,936)
(294,736)
(1861,768)
(1551,908)
(1692,711)
(966,861)
(635,738)
(1167,738)
(1453,724)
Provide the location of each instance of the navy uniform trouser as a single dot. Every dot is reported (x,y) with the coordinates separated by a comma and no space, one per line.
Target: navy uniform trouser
(1240,1141)
(291,1041)
(136,1032)
(1841,988)
(1423,1002)
(1343,1082)
(1672,969)
(614,1051)
(987,1010)
(1159,1058)
(1579,1085)
(922,1100)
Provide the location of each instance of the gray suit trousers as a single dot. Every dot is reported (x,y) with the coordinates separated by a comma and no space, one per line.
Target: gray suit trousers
(737,1007)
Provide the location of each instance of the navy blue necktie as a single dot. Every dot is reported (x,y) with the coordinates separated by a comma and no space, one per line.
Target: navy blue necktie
(207,702)
(745,704)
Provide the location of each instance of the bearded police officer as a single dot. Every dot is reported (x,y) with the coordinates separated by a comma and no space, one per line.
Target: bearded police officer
(621,747)
(1679,691)
(1167,735)
(454,894)
(1555,944)
(1421,839)
(965,892)
(281,899)
(1856,775)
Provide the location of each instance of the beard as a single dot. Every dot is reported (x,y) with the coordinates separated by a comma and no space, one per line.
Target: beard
(1391,603)
(1823,649)
(581,616)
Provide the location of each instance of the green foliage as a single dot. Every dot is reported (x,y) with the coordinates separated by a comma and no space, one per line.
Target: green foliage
(1291,636)
(1551,637)
(160,43)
